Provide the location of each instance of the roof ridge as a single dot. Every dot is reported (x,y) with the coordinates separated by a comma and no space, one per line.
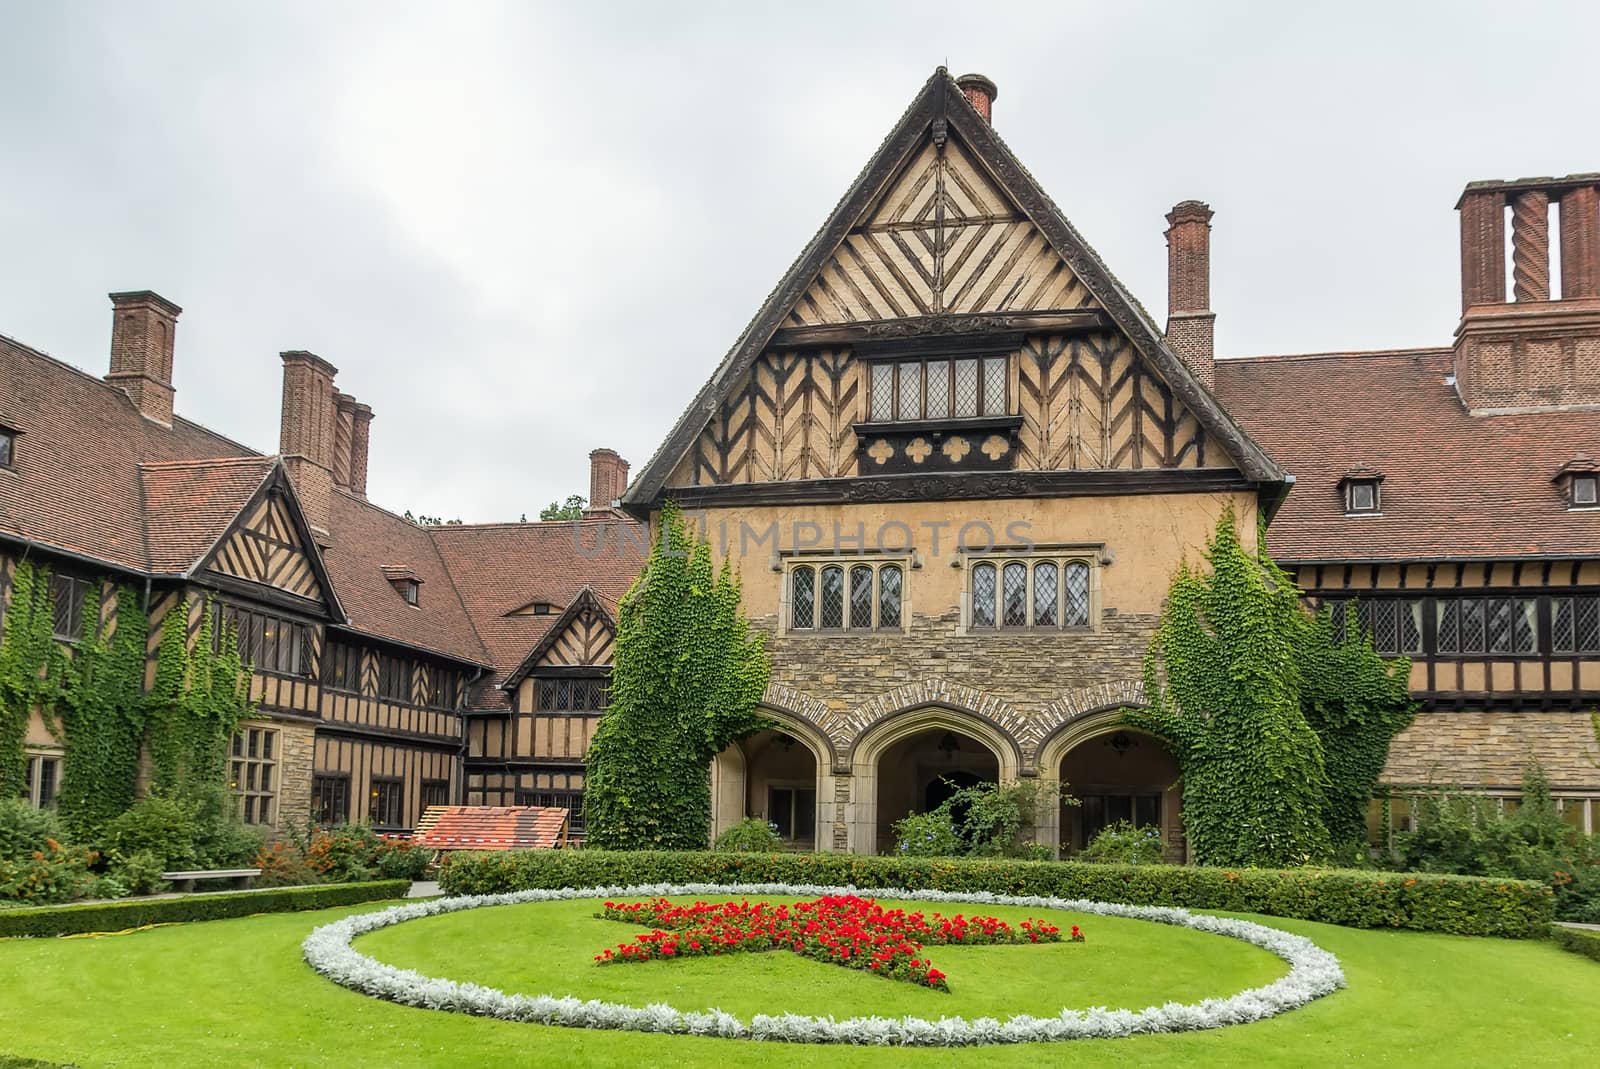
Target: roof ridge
(118,391)
(1430,350)
(254,458)
(614,516)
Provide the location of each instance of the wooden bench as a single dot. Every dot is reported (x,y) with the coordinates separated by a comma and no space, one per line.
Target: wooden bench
(185,881)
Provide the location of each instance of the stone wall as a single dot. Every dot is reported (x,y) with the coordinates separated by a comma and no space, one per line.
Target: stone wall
(297,745)
(1491,748)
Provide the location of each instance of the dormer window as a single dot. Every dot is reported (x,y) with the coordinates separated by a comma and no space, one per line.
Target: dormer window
(543,608)
(406,582)
(1363,492)
(1579,479)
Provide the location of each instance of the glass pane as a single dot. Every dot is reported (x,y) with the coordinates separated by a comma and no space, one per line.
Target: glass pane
(861,596)
(254,743)
(994,385)
(1077,595)
(832,596)
(1410,627)
(1499,626)
(882,391)
(1147,810)
(1472,625)
(966,387)
(266,743)
(1118,807)
(889,596)
(803,598)
(1448,639)
(1524,626)
(1561,635)
(1385,627)
(910,377)
(238,744)
(266,778)
(1586,624)
(938,373)
(983,595)
(1044,594)
(1015,580)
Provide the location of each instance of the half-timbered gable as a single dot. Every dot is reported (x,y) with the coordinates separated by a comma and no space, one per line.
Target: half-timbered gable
(267,547)
(947,320)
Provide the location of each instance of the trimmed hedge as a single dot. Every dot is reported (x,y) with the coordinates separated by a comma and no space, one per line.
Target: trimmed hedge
(137,912)
(1460,905)
(1583,941)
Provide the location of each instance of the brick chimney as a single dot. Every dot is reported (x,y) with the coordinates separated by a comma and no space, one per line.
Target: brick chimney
(980,93)
(360,435)
(1191,324)
(344,420)
(307,433)
(1537,350)
(608,478)
(142,325)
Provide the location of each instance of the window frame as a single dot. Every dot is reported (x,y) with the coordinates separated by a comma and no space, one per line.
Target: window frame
(77,589)
(34,780)
(383,784)
(559,695)
(849,568)
(256,805)
(441,786)
(339,661)
(983,404)
(289,645)
(395,669)
(1063,560)
(1352,486)
(8,449)
(1589,479)
(319,780)
(568,798)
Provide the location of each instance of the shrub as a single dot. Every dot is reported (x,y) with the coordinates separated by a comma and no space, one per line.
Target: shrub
(1468,834)
(1578,940)
(54,874)
(1123,844)
(140,873)
(163,828)
(750,835)
(927,835)
(282,864)
(134,913)
(403,861)
(1455,904)
(24,829)
(344,852)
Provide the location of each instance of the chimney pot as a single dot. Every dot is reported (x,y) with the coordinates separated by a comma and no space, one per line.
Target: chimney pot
(142,328)
(980,92)
(1191,325)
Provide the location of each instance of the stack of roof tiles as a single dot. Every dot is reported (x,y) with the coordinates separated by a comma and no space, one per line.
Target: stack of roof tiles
(480,827)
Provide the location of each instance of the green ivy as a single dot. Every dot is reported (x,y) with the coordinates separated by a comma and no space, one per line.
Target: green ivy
(98,715)
(687,677)
(1281,728)
(201,693)
(27,652)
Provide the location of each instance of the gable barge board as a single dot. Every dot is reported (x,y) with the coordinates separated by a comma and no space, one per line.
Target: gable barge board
(953,327)
(868,489)
(303,608)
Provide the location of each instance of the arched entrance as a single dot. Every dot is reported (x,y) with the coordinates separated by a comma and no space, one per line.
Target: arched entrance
(784,776)
(1121,774)
(902,763)
(781,786)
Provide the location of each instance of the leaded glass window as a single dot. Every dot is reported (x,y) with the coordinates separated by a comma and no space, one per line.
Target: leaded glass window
(1045,589)
(1575,624)
(938,388)
(983,595)
(802,597)
(861,597)
(832,597)
(1077,595)
(1492,625)
(1014,581)
(889,588)
(938,372)
(909,374)
(883,391)
(994,385)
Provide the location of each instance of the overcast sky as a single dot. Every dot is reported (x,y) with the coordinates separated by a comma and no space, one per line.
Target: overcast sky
(522,231)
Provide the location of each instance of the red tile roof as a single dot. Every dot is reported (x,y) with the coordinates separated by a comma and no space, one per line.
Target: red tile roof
(190,504)
(365,540)
(1454,485)
(75,483)
(501,568)
(480,827)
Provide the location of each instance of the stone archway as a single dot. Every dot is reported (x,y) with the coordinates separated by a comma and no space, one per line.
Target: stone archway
(1117,773)
(896,761)
(770,773)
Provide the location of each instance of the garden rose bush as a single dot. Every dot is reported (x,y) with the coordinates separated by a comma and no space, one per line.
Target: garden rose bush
(836,929)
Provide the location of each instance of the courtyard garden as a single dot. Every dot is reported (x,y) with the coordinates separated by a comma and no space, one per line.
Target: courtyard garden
(240,992)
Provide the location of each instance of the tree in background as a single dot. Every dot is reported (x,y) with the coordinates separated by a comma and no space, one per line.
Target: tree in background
(571,509)
(687,677)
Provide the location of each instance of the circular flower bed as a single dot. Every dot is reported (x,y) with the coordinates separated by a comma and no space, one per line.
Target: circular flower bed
(1313,972)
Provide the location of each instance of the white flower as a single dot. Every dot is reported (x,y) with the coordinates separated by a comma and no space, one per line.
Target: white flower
(1313,972)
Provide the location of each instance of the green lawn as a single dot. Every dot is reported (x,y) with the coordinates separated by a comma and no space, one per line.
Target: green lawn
(235,993)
